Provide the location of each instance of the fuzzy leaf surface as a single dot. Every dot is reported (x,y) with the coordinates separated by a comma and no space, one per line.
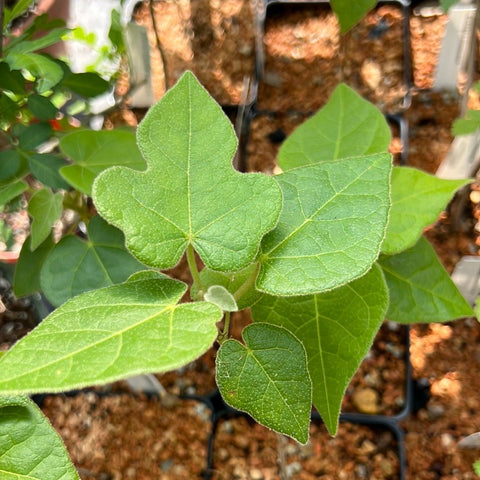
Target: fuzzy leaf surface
(417,200)
(190,193)
(30,449)
(350,13)
(94,151)
(268,378)
(331,227)
(336,328)
(75,266)
(221,297)
(45,208)
(347,126)
(109,334)
(421,290)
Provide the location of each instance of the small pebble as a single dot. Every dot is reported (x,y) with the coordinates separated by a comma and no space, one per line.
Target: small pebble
(293,468)
(255,474)
(366,400)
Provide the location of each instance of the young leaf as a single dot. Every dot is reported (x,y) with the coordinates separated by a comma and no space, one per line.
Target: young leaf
(94,151)
(417,200)
(75,266)
(27,271)
(350,13)
(109,334)
(233,281)
(45,208)
(87,84)
(11,190)
(331,227)
(16,11)
(336,328)
(468,124)
(190,193)
(29,46)
(347,126)
(421,290)
(45,167)
(267,378)
(446,4)
(29,447)
(221,297)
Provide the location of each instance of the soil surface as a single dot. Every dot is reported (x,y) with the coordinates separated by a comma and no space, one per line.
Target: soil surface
(113,434)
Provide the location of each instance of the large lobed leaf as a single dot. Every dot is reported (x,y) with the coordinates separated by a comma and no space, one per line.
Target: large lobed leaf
(190,193)
(29,446)
(421,290)
(336,328)
(267,378)
(109,334)
(347,126)
(417,200)
(331,227)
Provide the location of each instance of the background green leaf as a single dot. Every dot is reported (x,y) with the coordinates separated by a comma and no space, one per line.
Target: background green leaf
(421,290)
(446,4)
(9,164)
(109,334)
(94,151)
(267,378)
(29,447)
(190,193)
(336,328)
(87,84)
(350,12)
(11,190)
(417,200)
(34,135)
(331,227)
(42,107)
(45,208)
(347,126)
(11,80)
(75,266)
(45,167)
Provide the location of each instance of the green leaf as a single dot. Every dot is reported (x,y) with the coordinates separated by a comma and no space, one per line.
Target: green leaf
(29,264)
(446,4)
(92,152)
(42,107)
(88,84)
(232,282)
(29,46)
(190,193)
(76,266)
(9,110)
(347,126)
(267,378)
(468,124)
(17,10)
(11,190)
(45,208)
(421,290)
(331,228)
(350,12)
(11,80)
(45,167)
(109,334)
(9,163)
(417,200)
(46,71)
(336,328)
(221,297)
(476,467)
(29,447)
(34,135)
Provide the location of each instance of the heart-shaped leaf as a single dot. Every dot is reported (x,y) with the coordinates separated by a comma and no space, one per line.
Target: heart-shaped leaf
(75,266)
(268,378)
(350,13)
(421,290)
(94,151)
(417,200)
(190,193)
(331,227)
(109,334)
(347,126)
(29,447)
(45,208)
(336,328)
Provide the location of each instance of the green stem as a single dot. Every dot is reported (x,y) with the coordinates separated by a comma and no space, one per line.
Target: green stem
(247,285)
(192,265)
(226,327)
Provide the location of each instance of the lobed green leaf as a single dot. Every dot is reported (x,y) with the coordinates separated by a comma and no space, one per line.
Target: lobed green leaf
(109,334)
(268,378)
(336,328)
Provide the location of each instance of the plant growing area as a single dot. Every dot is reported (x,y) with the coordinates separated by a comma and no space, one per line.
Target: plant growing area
(319,254)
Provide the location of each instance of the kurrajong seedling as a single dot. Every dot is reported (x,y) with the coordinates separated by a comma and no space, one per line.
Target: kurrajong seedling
(321,253)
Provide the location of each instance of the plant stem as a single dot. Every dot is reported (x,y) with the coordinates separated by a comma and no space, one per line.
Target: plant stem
(2,8)
(249,283)
(226,327)
(192,265)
